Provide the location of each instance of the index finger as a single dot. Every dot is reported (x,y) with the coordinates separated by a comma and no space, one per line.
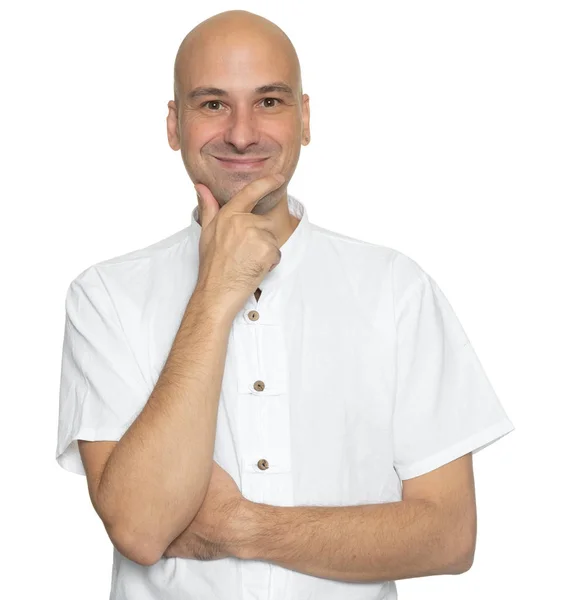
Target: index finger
(247,198)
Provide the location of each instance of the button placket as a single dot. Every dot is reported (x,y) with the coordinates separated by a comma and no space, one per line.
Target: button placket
(263,396)
(259,386)
(275,410)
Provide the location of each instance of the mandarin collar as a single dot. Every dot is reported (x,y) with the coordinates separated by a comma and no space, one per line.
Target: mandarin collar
(292,250)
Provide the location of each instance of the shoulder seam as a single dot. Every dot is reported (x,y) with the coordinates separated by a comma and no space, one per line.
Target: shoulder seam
(410,291)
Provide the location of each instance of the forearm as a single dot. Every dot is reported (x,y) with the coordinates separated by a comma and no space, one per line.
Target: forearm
(158,473)
(375,542)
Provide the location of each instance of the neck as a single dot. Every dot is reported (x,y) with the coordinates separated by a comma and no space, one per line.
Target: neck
(285,222)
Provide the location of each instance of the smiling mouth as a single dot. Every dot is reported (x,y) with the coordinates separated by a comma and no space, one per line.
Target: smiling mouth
(241,164)
(241,160)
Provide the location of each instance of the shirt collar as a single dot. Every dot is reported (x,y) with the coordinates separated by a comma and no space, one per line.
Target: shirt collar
(292,250)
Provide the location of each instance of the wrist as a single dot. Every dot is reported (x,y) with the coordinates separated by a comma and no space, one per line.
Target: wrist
(207,303)
(246,530)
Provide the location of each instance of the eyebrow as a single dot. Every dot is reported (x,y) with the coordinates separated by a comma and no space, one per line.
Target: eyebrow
(276,86)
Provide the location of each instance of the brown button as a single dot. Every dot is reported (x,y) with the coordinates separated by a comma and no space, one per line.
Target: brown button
(262,464)
(259,386)
(253,315)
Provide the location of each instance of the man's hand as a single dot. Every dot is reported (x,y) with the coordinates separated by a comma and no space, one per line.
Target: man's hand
(213,532)
(237,247)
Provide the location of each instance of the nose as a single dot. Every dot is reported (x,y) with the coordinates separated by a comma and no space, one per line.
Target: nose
(242,127)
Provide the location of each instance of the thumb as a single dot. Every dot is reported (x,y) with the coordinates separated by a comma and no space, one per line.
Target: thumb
(208,206)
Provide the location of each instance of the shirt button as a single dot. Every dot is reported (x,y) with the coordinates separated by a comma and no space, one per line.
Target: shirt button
(262,464)
(253,315)
(259,386)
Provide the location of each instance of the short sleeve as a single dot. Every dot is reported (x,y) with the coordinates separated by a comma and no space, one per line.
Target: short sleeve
(102,389)
(445,405)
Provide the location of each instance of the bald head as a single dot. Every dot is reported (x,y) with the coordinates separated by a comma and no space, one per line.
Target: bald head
(229,32)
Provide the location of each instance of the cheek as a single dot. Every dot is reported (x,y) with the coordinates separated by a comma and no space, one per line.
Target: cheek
(197,134)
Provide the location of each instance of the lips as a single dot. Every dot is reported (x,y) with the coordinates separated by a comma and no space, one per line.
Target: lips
(240,160)
(241,165)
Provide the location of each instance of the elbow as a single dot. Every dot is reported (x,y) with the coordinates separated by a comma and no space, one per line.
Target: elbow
(144,547)
(462,543)
(464,565)
(461,561)
(141,551)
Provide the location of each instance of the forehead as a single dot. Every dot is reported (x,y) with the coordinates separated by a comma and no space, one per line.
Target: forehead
(238,67)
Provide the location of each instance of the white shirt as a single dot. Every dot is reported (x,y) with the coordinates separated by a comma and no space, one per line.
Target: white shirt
(364,377)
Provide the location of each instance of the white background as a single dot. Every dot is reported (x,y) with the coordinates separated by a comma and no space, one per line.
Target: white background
(439,129)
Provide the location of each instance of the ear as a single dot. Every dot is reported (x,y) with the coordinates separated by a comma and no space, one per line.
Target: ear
(306,119)
(172,126)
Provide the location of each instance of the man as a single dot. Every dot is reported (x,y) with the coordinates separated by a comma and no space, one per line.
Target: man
(264,408)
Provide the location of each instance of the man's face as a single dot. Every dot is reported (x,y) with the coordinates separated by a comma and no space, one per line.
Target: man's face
(244,123)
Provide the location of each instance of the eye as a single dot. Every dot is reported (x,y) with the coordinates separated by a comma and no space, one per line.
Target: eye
(211,102)
(277,100)
(217,102)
